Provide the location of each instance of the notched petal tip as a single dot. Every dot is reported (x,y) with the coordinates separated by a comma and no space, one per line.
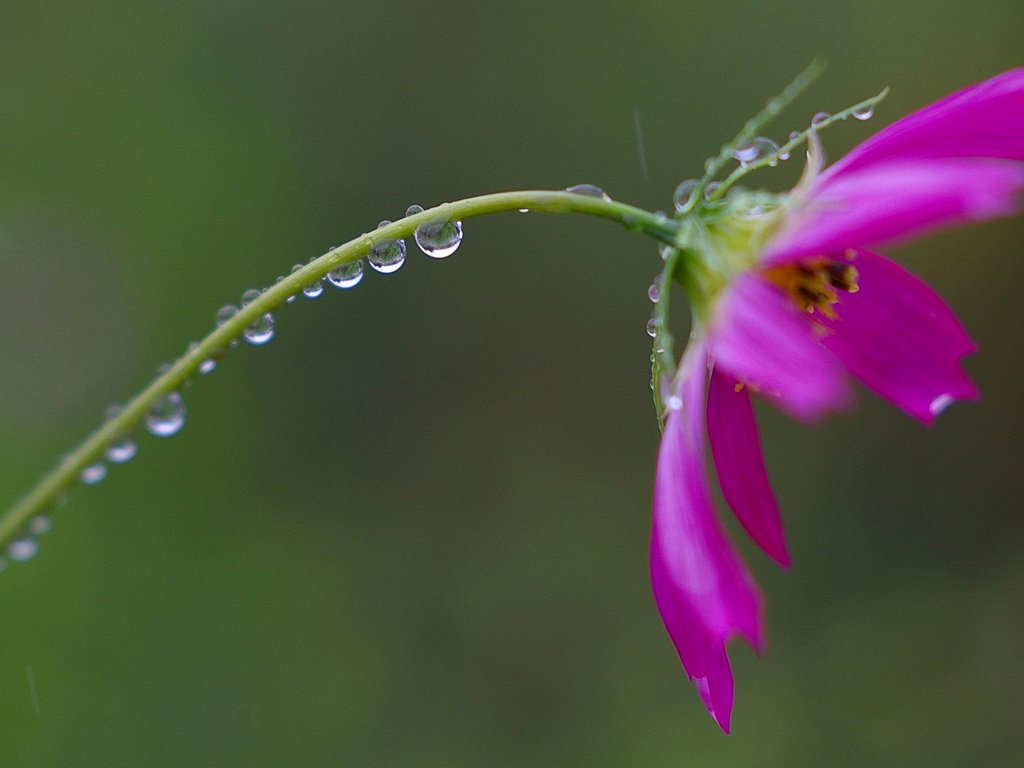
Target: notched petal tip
(716,689)
(702,590)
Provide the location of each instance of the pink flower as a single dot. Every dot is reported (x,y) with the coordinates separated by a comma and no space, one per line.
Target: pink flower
(799,302)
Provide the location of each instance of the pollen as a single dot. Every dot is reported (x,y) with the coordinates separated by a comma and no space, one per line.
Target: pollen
(815,284)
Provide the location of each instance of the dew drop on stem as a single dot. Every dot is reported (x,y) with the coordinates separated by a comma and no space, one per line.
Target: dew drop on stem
(250,296)
(820,118)
(387,256)
(439,239)
(745,153)
(864,113)
(167,416)
(767,148)
(23,549)
(346,275)
(225,313)
(683,194)
(94,473)
(260,331)
(587,190)
(121,451)
(40,524)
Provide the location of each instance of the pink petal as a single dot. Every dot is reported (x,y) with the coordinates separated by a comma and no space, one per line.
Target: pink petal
(895,200)
(716,688)
(983,120)
(900,339)
(763,340)
(736,449)
(702,590)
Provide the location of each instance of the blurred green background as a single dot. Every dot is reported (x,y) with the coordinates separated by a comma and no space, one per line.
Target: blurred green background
(412,530)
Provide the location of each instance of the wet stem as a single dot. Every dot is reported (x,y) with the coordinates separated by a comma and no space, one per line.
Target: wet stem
(49,490)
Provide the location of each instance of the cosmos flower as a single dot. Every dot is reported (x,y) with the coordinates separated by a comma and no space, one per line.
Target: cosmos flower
(790,301)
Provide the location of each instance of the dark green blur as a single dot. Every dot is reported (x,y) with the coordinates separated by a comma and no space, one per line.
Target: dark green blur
(412,530)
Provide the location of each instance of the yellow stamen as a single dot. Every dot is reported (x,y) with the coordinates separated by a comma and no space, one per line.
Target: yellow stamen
(815,284)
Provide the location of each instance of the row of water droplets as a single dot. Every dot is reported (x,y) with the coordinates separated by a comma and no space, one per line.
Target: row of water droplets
(437,239)
(759,148)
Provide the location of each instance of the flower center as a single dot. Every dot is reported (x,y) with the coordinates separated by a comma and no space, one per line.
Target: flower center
(815,284)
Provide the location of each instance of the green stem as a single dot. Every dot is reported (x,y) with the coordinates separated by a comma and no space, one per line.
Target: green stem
(774,107)
(786,149)
(90,451)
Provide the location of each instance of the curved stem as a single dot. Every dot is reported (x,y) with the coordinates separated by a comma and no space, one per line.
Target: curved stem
(50,488)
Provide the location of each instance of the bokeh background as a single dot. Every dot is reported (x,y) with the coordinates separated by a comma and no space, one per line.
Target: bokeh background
(412,530)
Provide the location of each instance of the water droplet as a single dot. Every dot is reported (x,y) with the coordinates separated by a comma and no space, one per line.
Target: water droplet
(681,197)
(783,155)
(225,313)
(864,113)
(820,118)
(387,256)
(652,327)
(167,416)
(673,402)
(767,148)
(439,239)
(122,450)
(94,473)
(745,153)
(205,367)
(709,190)
(587,190)
(23,549)
(413,209)
(773,106)
(941,403)
(261,330)
(346,275)
(40,524)
(524,210)
(250,296)
(654,291)
(665,250)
